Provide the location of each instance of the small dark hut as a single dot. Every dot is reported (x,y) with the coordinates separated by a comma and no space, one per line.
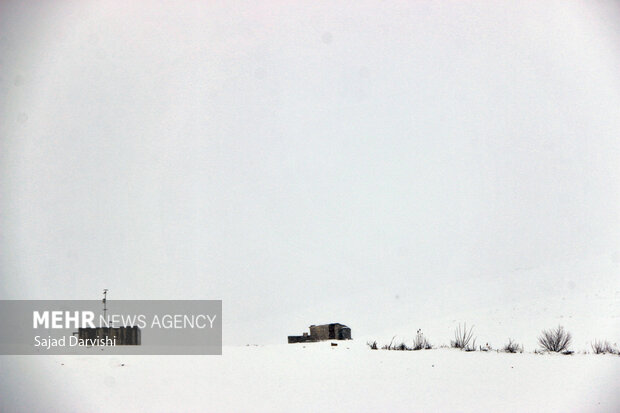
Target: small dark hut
(125,336)
(334,331)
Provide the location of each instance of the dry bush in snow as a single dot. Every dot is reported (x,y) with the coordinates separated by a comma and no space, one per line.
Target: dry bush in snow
(603,347)
(555,340)
(463,338)
(513,347)
(402,346)
(420,342)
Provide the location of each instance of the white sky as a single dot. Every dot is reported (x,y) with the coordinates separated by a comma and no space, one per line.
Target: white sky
(306,163)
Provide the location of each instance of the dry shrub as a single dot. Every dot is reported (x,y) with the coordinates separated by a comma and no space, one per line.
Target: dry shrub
(463,338)
(513,347)
(555,340)
(420,342)
(603,347)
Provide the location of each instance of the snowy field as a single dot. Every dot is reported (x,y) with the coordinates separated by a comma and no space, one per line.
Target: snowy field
(391,166)
(313,377)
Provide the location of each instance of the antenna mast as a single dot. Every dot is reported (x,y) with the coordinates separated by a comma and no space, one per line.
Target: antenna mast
(105,307)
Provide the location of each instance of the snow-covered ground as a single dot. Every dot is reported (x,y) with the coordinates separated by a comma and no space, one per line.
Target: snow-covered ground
(352,378)
(313,377)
